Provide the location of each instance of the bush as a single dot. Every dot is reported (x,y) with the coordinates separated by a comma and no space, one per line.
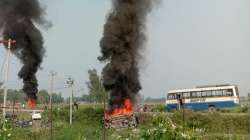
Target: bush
(83,115)
(86,123)
(214,122)
(89,116)
(244,109)
(164,129)
(158,108)
(5,130)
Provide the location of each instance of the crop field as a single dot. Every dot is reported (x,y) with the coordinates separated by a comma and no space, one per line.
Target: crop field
(87,125)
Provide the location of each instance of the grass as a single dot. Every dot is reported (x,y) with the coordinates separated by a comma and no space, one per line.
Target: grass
(87,124)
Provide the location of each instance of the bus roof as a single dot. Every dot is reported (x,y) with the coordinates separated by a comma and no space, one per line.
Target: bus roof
(202,89)
(217,85)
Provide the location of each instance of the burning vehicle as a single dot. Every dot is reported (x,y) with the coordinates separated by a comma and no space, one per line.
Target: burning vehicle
(121,121)
(121,117)
(122,46)
(18,21)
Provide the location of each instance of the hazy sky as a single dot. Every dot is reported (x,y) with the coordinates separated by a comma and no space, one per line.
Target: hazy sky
(190,43)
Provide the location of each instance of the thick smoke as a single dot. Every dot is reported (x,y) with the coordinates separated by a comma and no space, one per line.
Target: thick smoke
(123,40)
(17,19)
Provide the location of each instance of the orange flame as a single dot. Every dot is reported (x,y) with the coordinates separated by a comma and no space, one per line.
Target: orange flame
(125,109)
(31,103)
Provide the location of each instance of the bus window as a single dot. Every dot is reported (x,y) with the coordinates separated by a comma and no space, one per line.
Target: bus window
(229,92)
(214,93)
(203,93)
(224,92)
(209,93)
(186,95)
(218,92)
(198,94)
(194,94)
(174,96)
(171,96)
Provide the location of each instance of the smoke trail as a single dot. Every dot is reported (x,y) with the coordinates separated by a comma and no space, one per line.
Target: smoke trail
(17,18)
(123,39)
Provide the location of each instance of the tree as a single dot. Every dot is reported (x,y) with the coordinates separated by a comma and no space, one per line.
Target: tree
(13,96)
(57,98)
(96,89)
(85,98)
(16,96)
(43,97)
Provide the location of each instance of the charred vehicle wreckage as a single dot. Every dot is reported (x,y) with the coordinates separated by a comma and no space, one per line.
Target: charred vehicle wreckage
(122,117)
(121,121)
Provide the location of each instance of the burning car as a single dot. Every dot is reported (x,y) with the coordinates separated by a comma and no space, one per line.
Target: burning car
(122,117)
(121,121)
(122,47)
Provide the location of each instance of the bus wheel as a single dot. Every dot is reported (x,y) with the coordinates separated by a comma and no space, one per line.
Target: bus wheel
(211,109)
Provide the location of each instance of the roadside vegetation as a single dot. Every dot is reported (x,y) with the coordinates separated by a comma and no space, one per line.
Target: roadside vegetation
(87,124)
(155,123)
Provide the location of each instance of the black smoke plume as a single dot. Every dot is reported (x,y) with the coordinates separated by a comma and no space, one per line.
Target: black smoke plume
(17,21)
(123,40)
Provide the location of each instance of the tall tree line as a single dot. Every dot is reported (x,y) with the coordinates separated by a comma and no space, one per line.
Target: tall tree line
(96,91)
(42,96)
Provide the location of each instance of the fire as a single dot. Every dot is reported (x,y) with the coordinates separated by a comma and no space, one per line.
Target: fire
(31,103)
(125,109)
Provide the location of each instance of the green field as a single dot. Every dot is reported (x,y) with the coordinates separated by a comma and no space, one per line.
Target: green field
(87,124)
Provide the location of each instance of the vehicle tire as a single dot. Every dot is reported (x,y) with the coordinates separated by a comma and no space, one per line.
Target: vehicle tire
(106,125)
(211,109)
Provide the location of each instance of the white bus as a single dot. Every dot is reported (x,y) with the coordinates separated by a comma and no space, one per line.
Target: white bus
(204,97)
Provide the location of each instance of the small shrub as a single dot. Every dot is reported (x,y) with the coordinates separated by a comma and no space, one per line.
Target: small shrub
(158,108)
(164,129)
(244,109)
(5,130)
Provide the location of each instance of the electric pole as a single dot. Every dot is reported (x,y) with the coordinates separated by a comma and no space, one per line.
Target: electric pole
(6,78)
(52,74)
(70,82)
(104,113)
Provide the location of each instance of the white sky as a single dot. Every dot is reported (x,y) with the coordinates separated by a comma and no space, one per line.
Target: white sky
(190,43)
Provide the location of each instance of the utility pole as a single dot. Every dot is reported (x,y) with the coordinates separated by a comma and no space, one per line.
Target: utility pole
(52,74)
(6,78)
(70,82)
(104,115)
